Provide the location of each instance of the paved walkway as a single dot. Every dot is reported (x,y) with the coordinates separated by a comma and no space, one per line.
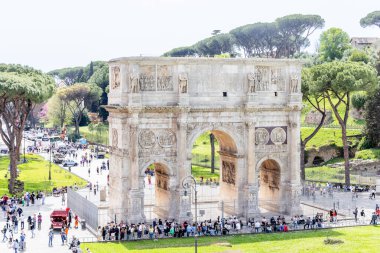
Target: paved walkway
(39,244)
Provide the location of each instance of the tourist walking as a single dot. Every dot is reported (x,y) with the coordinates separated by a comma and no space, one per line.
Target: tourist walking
(16,245)
(51,235)
(356,214)
(63,199)
(63,236)
(39,218)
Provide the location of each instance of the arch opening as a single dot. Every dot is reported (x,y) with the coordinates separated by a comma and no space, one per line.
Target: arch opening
(215,185)
(157,192)
(269,185)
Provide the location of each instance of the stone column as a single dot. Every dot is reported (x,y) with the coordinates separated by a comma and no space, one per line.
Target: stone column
(183,207)
(292,193)
(136,192)
(251,189)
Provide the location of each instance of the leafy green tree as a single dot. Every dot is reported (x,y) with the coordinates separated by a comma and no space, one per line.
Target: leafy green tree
(372,119)
(77,74)
(283,38)
(215,45)
(294,31)
(337,80)
(101,79)
(359,56)
(91,70)
(372,18)
(21,88)
(258,39)
(78,97)
(180,52)
(333,44)
(58,112)
(317,100)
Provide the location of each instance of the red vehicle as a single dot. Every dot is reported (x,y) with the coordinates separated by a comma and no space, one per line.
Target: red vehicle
(58,219)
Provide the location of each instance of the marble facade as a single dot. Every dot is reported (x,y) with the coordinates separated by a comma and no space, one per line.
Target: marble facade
(159,106)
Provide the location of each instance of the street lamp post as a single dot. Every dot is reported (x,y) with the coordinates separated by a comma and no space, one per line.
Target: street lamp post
(187,183)
(50,162)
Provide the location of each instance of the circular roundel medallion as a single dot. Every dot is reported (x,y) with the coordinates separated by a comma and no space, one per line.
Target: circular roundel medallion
(262,136)
(147,139)
(278,135)
(166,138)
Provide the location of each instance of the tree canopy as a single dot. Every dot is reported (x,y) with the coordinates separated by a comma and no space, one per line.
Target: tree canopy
(283,38)
(21,87)
(372,18)
(78,97)
(77,74)
(333,44)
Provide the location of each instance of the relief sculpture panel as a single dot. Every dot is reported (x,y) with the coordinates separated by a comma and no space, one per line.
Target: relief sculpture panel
(228,172)
(115,80)
(147,139)
(262,78)
(166,138)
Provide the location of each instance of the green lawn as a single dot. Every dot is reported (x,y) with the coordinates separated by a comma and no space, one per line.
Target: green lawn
(326,174)
(198,172)
(355,240)
(34,174)
(326,136)
(101,137)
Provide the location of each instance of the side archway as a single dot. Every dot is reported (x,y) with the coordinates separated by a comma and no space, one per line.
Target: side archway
(269,181)
(155,179)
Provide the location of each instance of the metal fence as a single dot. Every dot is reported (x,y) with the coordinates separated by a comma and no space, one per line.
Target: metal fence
(85,209)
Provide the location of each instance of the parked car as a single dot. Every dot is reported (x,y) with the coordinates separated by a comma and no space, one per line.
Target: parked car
(4,149)
(69,163)
(100,155)
(58,158)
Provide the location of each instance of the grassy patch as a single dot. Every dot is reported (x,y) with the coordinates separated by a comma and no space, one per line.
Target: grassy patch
(325,136)
(368,154)
(307,107)
(324,173)
(199,172)
(35,175)
(358,239)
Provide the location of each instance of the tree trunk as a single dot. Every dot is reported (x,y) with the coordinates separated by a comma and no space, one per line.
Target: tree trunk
(13,171)
(346,157)
(212,142)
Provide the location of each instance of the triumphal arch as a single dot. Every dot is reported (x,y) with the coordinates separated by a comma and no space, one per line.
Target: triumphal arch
(159,106)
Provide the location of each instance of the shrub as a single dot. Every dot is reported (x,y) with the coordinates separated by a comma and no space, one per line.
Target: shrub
(365,144)
(358,100)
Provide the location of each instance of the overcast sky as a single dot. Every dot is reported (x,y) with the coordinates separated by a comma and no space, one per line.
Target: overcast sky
(51,34)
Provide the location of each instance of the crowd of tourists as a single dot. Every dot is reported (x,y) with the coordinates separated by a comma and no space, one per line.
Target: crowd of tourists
(13,214)
(163,229)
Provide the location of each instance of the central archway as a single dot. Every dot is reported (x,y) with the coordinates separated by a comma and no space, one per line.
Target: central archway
(269,185)
(225,190)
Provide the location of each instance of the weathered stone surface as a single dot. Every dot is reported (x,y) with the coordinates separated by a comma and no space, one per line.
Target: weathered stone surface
(163,105)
